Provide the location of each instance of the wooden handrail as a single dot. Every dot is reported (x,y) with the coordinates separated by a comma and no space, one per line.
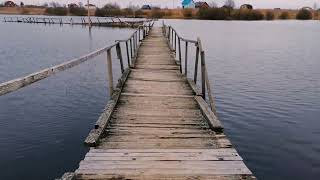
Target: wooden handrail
(172,36)
(16,84)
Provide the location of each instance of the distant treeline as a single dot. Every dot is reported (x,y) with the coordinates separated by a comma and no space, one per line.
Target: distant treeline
(227,12)
(249,14)
(109,10)
(63,11)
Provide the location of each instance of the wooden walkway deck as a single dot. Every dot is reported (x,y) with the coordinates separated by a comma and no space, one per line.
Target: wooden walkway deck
(159,128)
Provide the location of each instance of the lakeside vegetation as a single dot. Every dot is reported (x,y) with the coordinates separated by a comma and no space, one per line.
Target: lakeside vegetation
(227,12)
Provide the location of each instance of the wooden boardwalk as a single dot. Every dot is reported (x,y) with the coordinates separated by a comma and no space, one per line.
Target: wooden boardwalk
(157,124)
(158,127)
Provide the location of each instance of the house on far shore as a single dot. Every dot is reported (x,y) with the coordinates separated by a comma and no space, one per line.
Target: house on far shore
(72,5)
(246,6)
(201,4)
(188,4)
(10,4)
(146,7)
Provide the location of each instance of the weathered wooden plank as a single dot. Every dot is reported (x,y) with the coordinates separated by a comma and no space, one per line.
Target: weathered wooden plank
(164,156)
(155,95)
(194,87)
(103,120)
(167,164)
(213,121)
(172,132)
(158,102)
(157,76)
(157,87)
(165,177)
(161,112)
(68,176)
(168,168)
(196,143)
(127,151)
(151,66)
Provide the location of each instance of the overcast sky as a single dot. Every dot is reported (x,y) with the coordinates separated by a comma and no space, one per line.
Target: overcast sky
(293,4)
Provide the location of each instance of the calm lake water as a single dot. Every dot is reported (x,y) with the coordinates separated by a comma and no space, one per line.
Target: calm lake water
(265,76)
(266,80)
(43,126)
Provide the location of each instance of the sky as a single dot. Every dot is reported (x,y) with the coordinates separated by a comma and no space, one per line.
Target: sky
(292,4)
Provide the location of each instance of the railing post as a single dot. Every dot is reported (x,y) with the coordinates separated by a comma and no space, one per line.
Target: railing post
(119,54)
(172,38)
(110,76)
(139,33)
(186,60)
(128,55)
(169,32)
(137,41)
(131,47)
(203,75)
(134,43)
(175,41)
(196,66)
(179,44)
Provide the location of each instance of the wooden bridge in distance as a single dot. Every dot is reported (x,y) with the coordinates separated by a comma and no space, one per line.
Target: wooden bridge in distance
(157,124)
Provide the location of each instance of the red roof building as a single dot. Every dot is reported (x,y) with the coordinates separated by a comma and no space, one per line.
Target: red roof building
(201,4)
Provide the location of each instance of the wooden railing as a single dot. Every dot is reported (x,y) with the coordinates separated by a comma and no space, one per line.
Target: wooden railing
(132,44)
(95,21)
(175,40)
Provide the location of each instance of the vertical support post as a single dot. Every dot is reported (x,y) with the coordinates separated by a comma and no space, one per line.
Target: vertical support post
(134,43)
(186,60)
(89,20)
(119,54)
(144,32)
(128,55)
(179,43)
(139,33)
(131,48)
(196,66)
(175,42)
(110,76)
(137,41)
(203,75)
(169,32)
(172,38)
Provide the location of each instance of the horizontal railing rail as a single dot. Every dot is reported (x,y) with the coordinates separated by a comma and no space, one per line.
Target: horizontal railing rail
(175,40)
(132,45)
(96,21)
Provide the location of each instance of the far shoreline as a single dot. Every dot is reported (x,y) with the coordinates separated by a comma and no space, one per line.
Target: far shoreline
(184,14)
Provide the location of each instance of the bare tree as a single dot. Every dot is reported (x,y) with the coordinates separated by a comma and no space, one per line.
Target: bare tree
(230,4)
